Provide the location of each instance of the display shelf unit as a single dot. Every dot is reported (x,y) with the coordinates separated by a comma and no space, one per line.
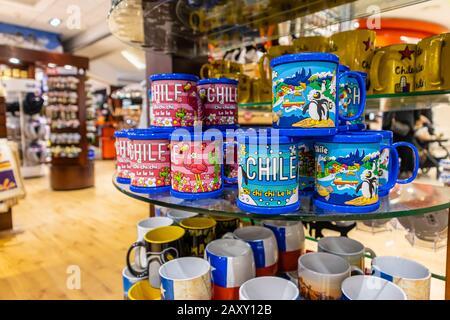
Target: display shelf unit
(186,27)
(404,200)
(63,176)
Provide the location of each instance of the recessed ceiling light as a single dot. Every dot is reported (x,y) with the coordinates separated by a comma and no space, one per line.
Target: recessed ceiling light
(14,60)
(54,22)
(51,65)
(68,67)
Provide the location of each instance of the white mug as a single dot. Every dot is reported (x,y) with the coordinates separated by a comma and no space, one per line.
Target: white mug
(143,227)
(128,280)
(412,277)
(371,288)
(186,278)
(264,247)
(178,215)
(268,288)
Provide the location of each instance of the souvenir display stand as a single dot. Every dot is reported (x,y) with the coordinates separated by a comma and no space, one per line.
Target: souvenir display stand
(168,27)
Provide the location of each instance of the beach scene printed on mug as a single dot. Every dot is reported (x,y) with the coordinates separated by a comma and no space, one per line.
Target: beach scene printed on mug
(305,95)
(196,166)
(150,163)
(306,168)
(347,174)
(268,178)
(174,103)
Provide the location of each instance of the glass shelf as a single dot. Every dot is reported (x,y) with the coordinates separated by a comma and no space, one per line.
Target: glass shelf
(260,112)
(404,200)
(194,28)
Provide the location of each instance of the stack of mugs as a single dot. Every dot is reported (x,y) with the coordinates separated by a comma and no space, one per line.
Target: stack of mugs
(185,260)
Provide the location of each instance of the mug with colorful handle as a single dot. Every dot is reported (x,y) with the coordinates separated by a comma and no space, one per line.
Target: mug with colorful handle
(347,172)
(386,162)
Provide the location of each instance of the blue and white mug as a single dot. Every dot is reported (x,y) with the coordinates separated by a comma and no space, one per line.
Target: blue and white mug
(386,162)
(347,171)
(305,99)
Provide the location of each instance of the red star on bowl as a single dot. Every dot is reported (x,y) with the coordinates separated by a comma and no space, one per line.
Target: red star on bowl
(368,44)
(406,53)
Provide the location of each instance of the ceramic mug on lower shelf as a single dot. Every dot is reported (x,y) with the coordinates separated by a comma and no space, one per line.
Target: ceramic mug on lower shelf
(412,277)
(264,247)
(371,288)
(186,278)
(142,290)
(199,232)
(161,245)
(351,250)
(291,242)
(128,280)
(321,274)
(268,288)
(232,264)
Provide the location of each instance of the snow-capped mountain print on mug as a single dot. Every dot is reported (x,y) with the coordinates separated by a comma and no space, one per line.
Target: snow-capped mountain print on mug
(348,171)
(268,173)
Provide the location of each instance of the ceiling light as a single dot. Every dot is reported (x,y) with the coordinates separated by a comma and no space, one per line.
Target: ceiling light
(54,22)
(51,65)
(14,60)
(68,67)
(356,24)
(133,59)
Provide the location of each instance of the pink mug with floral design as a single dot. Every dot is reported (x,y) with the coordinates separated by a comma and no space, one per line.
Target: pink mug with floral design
(219,101)
(174,100)
(150,160)
(196,164)
(123,157)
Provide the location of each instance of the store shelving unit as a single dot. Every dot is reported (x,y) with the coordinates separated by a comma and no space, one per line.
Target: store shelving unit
(167,27)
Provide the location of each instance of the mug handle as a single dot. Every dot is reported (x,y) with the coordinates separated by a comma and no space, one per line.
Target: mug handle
(394,169)
(362,88)
(136,273)
(435,63)
(226,179)
(229,235)
(371,253)
(374,80)
(206,67)
(262,72)
(416,161)
(355,271)
(153,271)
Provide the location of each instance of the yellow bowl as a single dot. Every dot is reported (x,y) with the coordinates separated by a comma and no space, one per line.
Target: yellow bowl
(142,290)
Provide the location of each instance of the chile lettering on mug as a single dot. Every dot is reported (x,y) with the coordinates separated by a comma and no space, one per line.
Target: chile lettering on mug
(347,174)
(174,103)
(219,103)
(150,163)
(123,162)
(268,179)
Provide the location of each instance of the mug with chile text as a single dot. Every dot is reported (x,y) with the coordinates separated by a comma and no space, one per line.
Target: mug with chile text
(264,247)
(232,264)
(161,245)
(199,232)
(355,48)
(291,242)
(432,63)
(393,69)
(123,158)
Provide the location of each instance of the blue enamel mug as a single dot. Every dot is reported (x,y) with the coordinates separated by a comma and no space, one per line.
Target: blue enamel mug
(347,172)
(268,172)
(386,162)
(305,100)
(352,98)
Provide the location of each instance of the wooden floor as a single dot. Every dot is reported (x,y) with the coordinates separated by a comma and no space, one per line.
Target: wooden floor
(92,229)
(89,228)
